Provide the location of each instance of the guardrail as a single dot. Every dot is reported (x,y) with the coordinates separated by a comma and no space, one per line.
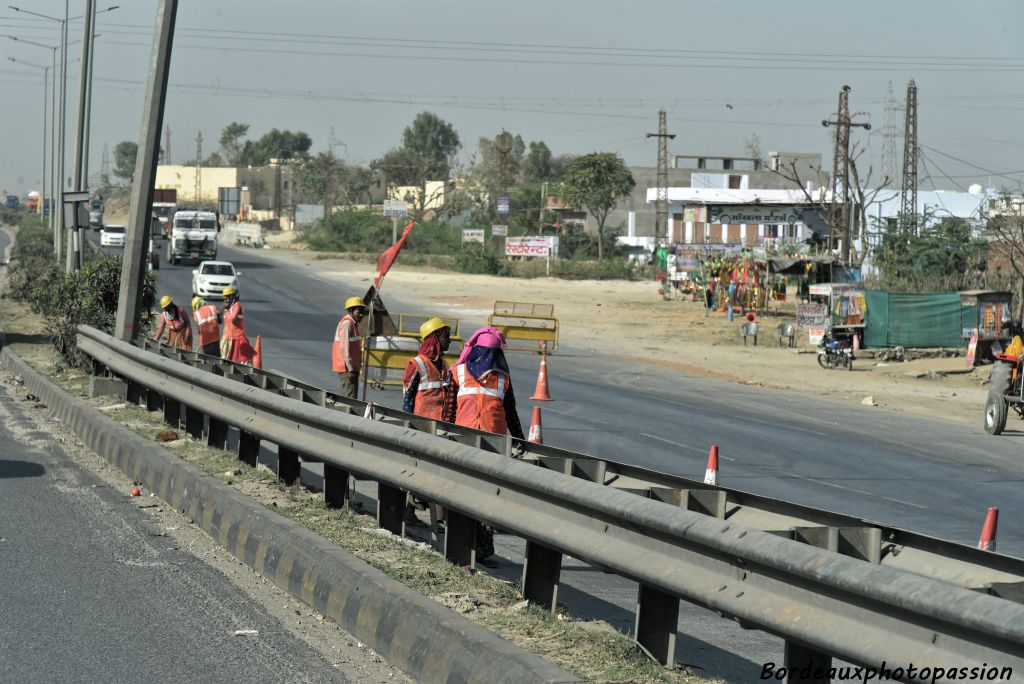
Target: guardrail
(822,603)
(958,564)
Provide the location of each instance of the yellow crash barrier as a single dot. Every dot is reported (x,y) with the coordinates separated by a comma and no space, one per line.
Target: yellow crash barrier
(526,326)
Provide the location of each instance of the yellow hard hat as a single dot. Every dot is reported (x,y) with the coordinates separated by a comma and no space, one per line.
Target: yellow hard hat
(197,302)
(165,301)
(430,326)
(230,290)
(353,302)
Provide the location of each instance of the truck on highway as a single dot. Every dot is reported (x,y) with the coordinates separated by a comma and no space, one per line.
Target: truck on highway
(12,201)
(165,203)
(192,236)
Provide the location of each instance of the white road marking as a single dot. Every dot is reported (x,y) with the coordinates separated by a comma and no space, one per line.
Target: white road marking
(862,491)
(682,446)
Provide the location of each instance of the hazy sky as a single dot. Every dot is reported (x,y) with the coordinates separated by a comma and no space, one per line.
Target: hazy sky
(581,75)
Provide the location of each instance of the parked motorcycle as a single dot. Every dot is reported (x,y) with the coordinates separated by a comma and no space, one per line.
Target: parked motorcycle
(833,353)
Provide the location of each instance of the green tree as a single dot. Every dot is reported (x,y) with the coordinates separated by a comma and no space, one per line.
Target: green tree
(433,140)
(943,257)
(124,159)
(323,178)
(537,163)
(231,141)
(274,145)
(595,182)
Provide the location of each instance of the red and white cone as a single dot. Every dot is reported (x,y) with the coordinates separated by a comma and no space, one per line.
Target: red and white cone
(988,531)
(535,435)
(711,474)
(540,392)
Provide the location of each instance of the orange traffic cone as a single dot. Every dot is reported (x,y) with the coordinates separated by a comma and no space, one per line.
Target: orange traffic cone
(988,531)
(257,357)
(535,435)
(540,392)
(711,474)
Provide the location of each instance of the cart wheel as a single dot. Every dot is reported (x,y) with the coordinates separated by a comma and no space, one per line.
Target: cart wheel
(995,414)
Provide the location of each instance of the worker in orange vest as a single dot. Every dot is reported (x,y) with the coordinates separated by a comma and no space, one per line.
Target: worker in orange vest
(208,322)
(174,319)
(480,396)
(234,345)
(424,379)
(347,350)
(425,374)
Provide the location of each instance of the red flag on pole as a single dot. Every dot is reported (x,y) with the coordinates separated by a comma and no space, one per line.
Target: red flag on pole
(388,256)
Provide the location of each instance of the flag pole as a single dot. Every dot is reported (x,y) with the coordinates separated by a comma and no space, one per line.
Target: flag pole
(366,347)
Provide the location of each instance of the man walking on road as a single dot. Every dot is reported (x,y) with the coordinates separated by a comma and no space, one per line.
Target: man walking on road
(208,322)
(234,346)
(347,350)
(174,319)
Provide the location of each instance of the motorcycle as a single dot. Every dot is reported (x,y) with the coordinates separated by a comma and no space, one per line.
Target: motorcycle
(833,353)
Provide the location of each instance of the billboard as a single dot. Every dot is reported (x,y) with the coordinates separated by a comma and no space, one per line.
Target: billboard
(532,246)
(472,235)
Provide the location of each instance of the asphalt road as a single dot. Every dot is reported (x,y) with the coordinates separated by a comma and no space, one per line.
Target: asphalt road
(933,476)
(93,592)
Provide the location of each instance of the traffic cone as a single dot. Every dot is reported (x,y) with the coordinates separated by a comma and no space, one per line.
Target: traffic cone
(535,435)
(540,392)
(988,531)
(711,474)
(257,357)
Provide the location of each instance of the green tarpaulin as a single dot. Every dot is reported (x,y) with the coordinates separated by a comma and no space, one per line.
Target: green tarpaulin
(900,319)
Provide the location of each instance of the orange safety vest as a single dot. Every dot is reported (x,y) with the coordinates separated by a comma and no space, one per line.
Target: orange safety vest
(234,322)
(481,403)
(206,320)
(354,343)
(176,324)
(429,393)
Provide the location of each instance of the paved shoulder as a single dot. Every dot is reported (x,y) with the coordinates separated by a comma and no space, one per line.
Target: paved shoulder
(96,590)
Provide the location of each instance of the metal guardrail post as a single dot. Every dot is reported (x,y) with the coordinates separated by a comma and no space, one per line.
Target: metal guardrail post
(657,616)
(459,539)
(217,434)
(154,400)
(195,421)
(336,493)
(135,393)
(801,663)
(390,508)
(542,570)
(172,412)
(248,448)
(288,467)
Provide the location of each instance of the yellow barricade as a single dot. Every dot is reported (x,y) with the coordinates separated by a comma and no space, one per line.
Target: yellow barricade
(526,326)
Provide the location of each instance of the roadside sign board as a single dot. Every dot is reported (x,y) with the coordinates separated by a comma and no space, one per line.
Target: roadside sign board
(397,208)
(472,235)
(498,231)
(811,315)
(503,206)
(535,246)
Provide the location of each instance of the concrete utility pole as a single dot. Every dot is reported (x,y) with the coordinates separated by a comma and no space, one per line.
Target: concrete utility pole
(199,167)
(133,270)
(167,145)
(76,256)
(503,146)
(908,188)
(661,202)
(839,220)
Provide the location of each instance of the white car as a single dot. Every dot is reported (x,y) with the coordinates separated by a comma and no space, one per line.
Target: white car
(112,236)
(211,277)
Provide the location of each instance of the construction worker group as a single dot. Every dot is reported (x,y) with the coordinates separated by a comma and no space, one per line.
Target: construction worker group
(228,342)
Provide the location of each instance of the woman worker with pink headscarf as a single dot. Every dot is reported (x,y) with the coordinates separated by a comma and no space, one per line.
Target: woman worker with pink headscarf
(480,396)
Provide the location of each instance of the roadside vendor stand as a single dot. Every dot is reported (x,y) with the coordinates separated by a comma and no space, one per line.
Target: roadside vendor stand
(846,309)
(989,330)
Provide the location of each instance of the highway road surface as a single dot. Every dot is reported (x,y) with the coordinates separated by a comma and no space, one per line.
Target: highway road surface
(933,476)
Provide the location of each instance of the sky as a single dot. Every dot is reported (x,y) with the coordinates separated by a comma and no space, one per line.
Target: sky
(581,75)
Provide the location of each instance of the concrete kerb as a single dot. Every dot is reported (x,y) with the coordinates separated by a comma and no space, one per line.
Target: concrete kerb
(418,635)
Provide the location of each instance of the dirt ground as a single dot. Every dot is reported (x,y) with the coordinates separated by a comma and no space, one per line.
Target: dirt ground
(630,319)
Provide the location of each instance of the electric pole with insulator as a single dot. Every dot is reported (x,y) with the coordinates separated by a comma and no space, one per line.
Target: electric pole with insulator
(839,217)
(661,202)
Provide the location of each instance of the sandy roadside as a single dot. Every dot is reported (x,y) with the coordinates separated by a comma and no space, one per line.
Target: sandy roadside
(629,320)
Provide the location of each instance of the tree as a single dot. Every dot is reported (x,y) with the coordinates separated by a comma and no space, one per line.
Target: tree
(536,165)
(274,145)
(943,256)
(434,141)
(1006,247)
(324,178)
(595,182)
(124,159)
(231,141)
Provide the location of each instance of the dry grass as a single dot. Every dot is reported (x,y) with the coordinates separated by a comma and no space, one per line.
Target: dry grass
(593,651)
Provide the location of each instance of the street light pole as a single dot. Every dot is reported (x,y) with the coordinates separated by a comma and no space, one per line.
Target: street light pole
(77,254)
